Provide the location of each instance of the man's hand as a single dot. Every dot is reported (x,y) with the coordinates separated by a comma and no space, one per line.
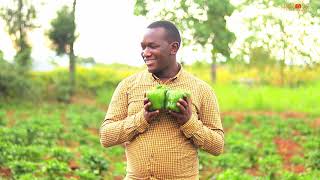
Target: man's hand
(185,111)
(149,115)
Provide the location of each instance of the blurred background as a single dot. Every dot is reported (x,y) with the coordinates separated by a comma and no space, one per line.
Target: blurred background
(60,62)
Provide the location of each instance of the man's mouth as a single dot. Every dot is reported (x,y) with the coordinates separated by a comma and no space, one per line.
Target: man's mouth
(145,60)
(149,61)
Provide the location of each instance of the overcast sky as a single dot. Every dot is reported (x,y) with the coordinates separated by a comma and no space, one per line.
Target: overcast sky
(108,32)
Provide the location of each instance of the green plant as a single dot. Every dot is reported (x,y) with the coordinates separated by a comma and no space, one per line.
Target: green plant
(87,175)
(270,165)
(94,161)
(22,167)
(314,159)
(54,168)
(233,174)
(61,154)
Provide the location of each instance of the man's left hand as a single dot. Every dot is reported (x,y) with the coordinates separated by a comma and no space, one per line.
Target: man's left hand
(185,111)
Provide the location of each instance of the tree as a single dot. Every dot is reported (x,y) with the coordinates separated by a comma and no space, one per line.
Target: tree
(272,28)
(62,34)
(19,20)
(205,19)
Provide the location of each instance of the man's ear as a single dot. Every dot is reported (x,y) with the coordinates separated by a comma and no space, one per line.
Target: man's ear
(174,48)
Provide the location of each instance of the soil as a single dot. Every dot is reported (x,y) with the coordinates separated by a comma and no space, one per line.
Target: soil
(288,149)
(5,172)
(316,123)
(10,116)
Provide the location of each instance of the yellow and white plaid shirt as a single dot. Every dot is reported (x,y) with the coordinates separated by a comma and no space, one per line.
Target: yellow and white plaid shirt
(162,149)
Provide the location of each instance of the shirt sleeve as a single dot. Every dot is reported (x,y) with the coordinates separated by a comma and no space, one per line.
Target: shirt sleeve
(117,126)
(206,132)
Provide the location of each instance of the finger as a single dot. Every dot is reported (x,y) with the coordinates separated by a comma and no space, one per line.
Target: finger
(146,106)
(175,114)
(189,100)
(153,113)
(181,107)
(145,101)
(184,103)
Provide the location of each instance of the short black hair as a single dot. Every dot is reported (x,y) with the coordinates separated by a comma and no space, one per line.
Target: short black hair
(172,31)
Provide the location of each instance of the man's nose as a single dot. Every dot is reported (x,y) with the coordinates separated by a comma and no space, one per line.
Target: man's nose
(145,53)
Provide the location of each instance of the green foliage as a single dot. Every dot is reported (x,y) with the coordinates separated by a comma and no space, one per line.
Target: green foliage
(94,161)
(233,174)
(270,165)
(22,167)
(207,22)
(19,20)
(3,120)
(314,159)
(15,83)
(61,154)
(87,175)
(23,58)
(246,98)
(55,169)
(62,31)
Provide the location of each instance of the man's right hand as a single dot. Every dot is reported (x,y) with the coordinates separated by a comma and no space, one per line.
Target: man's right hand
(149,115)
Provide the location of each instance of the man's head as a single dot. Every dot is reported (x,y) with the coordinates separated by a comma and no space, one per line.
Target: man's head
(160,45)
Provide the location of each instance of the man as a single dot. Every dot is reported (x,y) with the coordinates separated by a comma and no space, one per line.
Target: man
(162,144)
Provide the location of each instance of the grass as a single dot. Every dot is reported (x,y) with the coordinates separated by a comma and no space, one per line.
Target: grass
(267,98)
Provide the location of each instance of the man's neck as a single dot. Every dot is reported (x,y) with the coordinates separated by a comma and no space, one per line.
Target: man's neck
(171,72)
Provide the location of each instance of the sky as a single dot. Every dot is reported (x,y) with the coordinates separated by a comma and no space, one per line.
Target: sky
(109,32)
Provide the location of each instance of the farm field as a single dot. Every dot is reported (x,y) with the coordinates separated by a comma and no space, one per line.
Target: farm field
(60,141)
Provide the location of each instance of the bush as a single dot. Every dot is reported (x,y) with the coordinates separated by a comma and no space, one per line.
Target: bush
(16,82)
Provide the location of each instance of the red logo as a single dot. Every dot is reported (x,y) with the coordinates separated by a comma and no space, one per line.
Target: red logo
(297,6)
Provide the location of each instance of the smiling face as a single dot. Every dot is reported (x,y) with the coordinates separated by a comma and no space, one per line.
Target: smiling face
(157,52)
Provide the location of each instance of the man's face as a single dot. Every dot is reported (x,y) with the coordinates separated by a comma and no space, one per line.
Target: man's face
(156,50)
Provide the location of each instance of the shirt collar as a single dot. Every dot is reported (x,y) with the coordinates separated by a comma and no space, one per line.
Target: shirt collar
(153,77)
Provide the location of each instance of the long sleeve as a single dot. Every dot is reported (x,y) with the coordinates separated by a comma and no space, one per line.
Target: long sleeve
(117,127)
(207,132)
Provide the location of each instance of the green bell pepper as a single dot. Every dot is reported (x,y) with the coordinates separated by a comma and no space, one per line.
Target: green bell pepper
(157,97)
(172,97)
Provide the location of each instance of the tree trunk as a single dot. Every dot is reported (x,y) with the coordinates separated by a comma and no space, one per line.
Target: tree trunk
(213,67)
(214,71)
(20,26)
(22,61)
(72,60)
(72,70)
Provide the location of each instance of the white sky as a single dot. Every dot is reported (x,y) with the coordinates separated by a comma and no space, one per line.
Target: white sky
(108,32)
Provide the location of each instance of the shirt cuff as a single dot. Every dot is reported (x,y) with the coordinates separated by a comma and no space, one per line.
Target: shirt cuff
(191,126)
(140,122)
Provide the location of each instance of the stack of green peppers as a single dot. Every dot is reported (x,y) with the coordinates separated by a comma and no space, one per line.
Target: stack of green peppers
(163,98)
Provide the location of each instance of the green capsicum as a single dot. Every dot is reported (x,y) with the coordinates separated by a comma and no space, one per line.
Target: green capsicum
(157,97)
(172,97)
